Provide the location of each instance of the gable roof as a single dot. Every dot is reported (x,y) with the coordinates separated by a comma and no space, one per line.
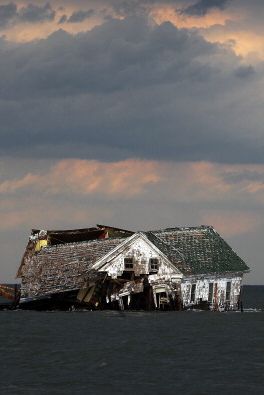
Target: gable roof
(106,259)
(202,248)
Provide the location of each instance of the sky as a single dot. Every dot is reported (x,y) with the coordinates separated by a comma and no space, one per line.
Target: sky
(142,114)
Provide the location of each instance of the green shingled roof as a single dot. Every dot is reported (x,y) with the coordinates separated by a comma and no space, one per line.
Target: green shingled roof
(171,252)
(202,248)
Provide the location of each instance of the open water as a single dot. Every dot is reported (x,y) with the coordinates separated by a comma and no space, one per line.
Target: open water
(134,352)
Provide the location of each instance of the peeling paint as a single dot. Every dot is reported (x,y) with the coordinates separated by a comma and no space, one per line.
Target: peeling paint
(159,269)
(219,290)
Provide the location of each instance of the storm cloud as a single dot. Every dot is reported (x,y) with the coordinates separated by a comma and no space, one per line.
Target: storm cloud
(129,120)
(127,89)
(80,16)
(11,14)
(33,13)
(132,7)
(202,7)
(7,13)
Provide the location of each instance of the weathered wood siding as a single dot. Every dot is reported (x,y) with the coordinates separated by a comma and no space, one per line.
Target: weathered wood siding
(219,289)
(141,252)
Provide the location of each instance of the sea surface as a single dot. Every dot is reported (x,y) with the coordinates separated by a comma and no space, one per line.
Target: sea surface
(111,352)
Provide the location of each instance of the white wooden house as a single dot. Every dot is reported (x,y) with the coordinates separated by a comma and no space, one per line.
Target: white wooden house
(106,267)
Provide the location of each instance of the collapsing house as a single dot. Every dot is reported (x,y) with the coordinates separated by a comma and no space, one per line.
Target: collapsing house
(110,268)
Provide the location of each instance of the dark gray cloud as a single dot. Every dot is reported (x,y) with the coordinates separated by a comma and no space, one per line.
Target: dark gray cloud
(138,7)
(80,16)
(245,175)
(63,19)
(7,13)
(245,71)
(33,13)
(10,14)
(128,89)
(132,7)
(201,7)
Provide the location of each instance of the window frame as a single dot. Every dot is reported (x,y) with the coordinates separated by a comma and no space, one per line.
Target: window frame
(156,264)
(131,263)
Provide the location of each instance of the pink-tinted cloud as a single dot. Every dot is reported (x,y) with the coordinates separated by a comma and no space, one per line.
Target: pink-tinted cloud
(233,23)
(49,196)
(168,13)
(10,186)
(133,194)
(128,178)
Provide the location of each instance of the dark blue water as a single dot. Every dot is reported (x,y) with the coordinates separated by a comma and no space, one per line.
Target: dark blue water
(132,353)
(253,296)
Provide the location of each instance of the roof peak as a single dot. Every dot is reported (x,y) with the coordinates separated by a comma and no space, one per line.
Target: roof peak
(185,228)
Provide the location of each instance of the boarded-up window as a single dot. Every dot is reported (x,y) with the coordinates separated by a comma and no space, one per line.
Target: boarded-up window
(211,292)
(228,291)
(193,289)
(128,263)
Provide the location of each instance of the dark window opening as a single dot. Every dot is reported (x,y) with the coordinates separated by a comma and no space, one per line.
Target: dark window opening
(211,292)
(153,264)
(228,291)
(128,262)
(193,289)
(128,275)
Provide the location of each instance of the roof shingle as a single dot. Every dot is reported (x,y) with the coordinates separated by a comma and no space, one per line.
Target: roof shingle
(64,266)
(203,249)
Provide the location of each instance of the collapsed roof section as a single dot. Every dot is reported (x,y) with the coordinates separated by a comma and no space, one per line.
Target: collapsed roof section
(64,267)
(55,237)
(116,232)
(47,238)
